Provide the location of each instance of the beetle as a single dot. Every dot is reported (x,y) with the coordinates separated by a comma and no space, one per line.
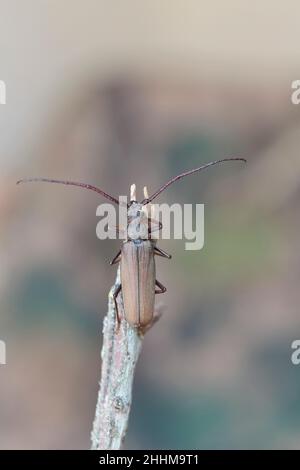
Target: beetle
(137,254)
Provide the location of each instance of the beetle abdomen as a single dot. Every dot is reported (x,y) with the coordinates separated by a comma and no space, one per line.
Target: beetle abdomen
(138,282)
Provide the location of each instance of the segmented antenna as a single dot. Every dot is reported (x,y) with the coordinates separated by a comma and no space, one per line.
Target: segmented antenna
(187,173)
(70,183)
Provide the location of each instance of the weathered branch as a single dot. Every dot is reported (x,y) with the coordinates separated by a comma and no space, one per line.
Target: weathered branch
(120,352)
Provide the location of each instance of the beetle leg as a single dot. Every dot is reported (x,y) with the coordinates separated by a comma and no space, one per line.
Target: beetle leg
(162,289)
(152,222)
(160,252)
(115,295)
(116,259)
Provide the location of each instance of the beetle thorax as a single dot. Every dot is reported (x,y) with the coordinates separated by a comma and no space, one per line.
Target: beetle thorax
(137,228)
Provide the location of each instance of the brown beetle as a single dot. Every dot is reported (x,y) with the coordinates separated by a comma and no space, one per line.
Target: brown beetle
(138,277)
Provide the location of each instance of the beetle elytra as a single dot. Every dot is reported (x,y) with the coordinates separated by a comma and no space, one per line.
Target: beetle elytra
(137,254)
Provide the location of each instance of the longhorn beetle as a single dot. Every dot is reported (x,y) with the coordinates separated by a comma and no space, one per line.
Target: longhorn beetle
(138,278)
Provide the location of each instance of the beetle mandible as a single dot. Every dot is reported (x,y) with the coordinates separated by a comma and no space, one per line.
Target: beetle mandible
(136,256)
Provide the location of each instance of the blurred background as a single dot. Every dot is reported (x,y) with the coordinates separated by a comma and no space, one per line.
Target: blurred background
(136,92)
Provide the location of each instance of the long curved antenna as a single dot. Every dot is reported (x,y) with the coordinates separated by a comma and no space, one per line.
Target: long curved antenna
(71,183)
(187,173)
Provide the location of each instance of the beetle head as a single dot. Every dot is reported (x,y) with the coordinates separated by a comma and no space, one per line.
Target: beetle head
(137,221)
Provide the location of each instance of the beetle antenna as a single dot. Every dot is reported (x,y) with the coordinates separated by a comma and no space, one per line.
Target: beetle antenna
(187,173)
(70,183)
